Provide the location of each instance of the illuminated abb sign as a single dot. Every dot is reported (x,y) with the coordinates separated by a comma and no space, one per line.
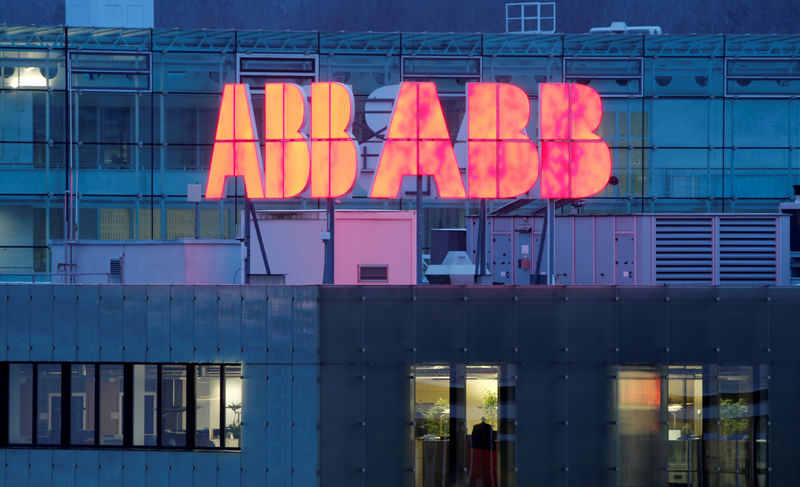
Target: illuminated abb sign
(502,161)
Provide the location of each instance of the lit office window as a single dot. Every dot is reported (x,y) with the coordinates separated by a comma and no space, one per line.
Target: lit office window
(464,429)
(20,404)
(171,406)
(716,426)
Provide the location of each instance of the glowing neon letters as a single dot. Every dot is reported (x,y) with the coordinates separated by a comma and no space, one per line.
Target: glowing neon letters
(503,161)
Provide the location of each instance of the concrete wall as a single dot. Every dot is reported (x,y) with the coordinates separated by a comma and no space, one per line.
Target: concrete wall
(272,331)
(156,261)
(294,247)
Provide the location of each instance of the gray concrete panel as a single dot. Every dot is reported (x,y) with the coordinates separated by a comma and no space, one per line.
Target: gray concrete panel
(279,427)
(134,469)
(206,316)
(63,468)
(87,468)
(305,417)
(41,325)
(181,324)
(65,321)
(158,323)
(135,323)
(111,324)
(279,324)
(254,429)
(254,324)
(40,471)
(88,336)
(18,313)
(157,474)
(305,325)
(229,324)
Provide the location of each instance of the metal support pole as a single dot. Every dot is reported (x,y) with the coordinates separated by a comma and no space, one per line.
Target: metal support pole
(258,236)
(480,257)
(419,229)
(551,242)
(327,277)
(246,239)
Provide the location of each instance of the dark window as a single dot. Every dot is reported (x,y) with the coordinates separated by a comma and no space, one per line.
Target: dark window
(367,273)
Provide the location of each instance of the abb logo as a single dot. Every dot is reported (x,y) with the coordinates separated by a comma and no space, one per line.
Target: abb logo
(503,161)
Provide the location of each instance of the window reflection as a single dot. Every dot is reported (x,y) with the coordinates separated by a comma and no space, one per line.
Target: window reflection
(207,391)
(20,403)
(716,425)
(82,404)
(173,413)
(463,433)
(145,404)
(233,406)
(48,398)
(112,395)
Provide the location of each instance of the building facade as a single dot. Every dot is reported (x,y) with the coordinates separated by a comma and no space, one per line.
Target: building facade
(346,385)
(104,129)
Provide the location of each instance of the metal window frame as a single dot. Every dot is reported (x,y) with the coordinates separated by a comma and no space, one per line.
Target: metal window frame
(127,407)
(148,71)
(536,18)
(639,78)
(276,74)
(411,76)
(727,77)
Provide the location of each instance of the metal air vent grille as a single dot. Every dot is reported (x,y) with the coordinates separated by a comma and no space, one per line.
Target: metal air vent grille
(747,250)
(684,250)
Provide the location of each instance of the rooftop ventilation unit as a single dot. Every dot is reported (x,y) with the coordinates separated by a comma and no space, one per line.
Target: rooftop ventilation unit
(623,28)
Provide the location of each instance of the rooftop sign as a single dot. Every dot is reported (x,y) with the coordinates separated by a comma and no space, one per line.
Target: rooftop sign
(503,162)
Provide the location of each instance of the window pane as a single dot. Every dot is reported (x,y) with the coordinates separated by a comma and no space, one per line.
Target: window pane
(233,406)
(173,415)
(145,404)
(48,423)
(111,398)
(207,393)
(82,404)
(20,407)
(639,396)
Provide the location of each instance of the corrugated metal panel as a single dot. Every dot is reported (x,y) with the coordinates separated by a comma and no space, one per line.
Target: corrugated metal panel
(747,250)
(684,250)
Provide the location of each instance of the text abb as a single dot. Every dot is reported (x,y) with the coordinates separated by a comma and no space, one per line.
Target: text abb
(503,161)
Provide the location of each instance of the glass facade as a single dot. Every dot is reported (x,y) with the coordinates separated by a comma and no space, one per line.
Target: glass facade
(110,126)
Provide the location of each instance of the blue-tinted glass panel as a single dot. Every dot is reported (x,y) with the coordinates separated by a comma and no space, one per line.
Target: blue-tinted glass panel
(190,72)
(688,122)
(48,414)
(683,76)
(207,397)
(145,404)
(20,403)
(173,414)
(82,404)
